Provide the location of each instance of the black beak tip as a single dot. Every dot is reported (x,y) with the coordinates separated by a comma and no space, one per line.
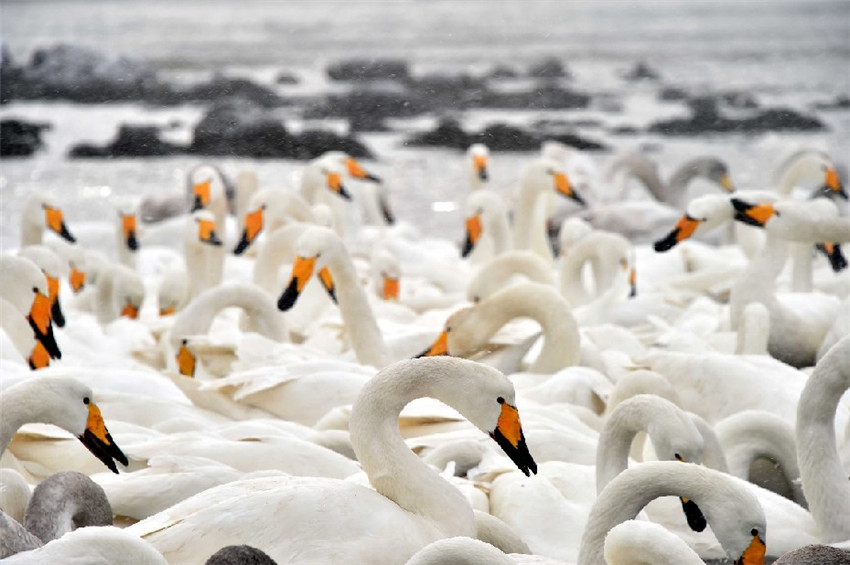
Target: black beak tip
(467,248)
(667,243)
(482,174)
(197,204)
(56,314)
(289,297)
(242,245)
(67,234)
(344,193)
(132,242)
(694,515)
(372,178)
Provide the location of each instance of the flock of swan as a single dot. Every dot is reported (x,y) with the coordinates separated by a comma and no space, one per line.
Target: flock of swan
(282,374)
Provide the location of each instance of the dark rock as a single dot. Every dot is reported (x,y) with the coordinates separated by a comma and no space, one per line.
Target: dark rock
(240,127)
(313,143)
(19,138)
(218,88)
(448,91)
(624,130)
(502,137)
(284,77)
(840,102)
(544,97)
(673,94)
(641,71)
(131,141)
(369,104)
(369,70)
(502,72)
(579,142)
(551,67)
(448,133)
(739,100)
(706,118)
(367,122)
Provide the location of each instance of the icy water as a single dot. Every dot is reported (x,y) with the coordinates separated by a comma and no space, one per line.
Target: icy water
(790,53)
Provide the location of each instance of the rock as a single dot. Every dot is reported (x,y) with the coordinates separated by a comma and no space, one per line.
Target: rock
(739,100)
(284,77)
(550,67)
(131,141)
(448,91)
(240,127)
(546,97)
(19,138)
(641,71)
(216,89)
(313,143)
(673,94)
(502,137)
(624,130)
(501,72)
(840,102)
(369,70)
(706,118)
(448,133)
(365,105)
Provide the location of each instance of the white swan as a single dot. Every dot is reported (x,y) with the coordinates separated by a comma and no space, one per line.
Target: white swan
(607,254)
(469,329)
(478,157)
(54,269)
(24,287)
(65,403)
(505,269)
(208,192)
(203,252)
(40,213)
(824,480)
(120,291)
(487,228)
(636,542)
(412,506)
(808,165)
(92,546)
(269,209)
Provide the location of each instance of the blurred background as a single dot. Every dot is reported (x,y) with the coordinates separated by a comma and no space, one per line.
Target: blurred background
(123,98)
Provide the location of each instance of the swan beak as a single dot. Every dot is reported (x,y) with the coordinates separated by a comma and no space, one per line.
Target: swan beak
(508,434)
(39,319)
(186,360)
(473,232)
(328,283)
(726,183)
(302,270)
(479,162)
(684,229)
(55,306)
(128,225)
(77,279)
(693,514)
(56,222)
(563,186)
(386,211)
(833,252)
(130,310)
(201,191)
(753,214)
(439,347)
(833,183)
(206,232)
(632,283)
(335,184)
(97,439)
(391,289)
(754,554)
(356,171)
(253,227)
(167,311)
(39,358)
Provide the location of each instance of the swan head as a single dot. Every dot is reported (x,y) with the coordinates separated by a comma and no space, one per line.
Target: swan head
(388,274)
(202,229)
(703,214)
(207,186)
(356,170)
(316,247)
(753,214)
(832,184)
(129,230)
(43,212)
(453,339)
(25,287)
(713,169)
(332,173)
(253,223)
(53,268)
(482,209)
(479,155)
(546,172)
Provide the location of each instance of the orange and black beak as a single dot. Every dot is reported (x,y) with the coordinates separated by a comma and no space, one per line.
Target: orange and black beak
(508,434)
(391,288)
(39,358)
(632,283)
(130,310)
(253,227)
(563,186)
(201,192)
(167,311)
(206,232)
(186,362)
(328,283)
(726,183)
(479,163)
(77,279)
(97,439)
(386,210)
(754,554)
(684,229)
(54,220)
(302,270)
(128,226)
(40,322)
(335,184)
(53,294)
(439,347)
(356,171)
(753,214)
(833,252)
(473,232)
(832,183)
(693,514)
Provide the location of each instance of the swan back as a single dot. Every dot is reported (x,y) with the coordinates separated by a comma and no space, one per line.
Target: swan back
(636,542)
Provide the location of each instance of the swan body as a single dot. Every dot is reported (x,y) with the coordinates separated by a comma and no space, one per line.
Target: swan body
(203,252)
(505,268)
(321,518)
(92,546)
(636,542)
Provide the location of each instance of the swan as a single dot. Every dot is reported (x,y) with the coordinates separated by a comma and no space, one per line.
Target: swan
(54,269)
(459,551)
(269,209)
(478,158)
(607,253)
(40,213)
(22,337)
(320,519)
(208,192)
(470,328)
(65,403)
(120,291)
(824,480)
(92,546)
(24,288)
(203,251)
(487,227)
(751,435)
(812,554)
(539,178)
(506,268)
(673,192)
(731,509)
(636,542)
(808,165)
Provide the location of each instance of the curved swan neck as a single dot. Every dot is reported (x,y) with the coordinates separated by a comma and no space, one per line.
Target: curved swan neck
(615,440)
(495,273)
(824,480)
(393,469)
(279,248)
(64,502)
(18,407)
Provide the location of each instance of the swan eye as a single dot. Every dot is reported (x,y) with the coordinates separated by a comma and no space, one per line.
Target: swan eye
(500,400)
(754,532)
(678,457)
(86,400)
(35,289)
